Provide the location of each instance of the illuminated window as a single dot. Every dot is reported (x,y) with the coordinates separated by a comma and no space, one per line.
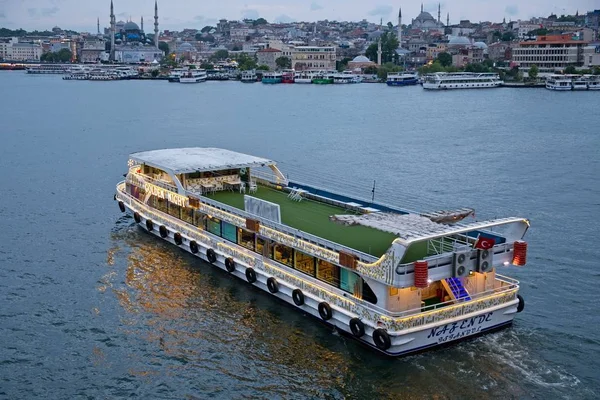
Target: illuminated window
(305,263)
(187,214)
(174,210)
(348,281)
(262,246)
(246,239)
(328,272)
(160,204)
(199,220)
(283,254)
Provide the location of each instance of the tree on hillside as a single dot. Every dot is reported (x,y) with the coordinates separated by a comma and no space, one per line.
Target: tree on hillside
(262,68)
(389,44)
(260,21)
(570,70)
(508,36)
(220,55)
(445,59)
(164,46)
(283,62)
(533,72)
(596,70)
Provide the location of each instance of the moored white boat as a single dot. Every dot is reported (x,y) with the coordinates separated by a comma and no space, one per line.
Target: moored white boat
(559,82)
(461,80)
(45,69)
(593,82)
(249,76)
(407,284)
(193,76)
(304,76)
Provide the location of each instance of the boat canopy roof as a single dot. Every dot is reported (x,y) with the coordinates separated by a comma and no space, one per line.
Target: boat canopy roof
(197,159)
(412,227)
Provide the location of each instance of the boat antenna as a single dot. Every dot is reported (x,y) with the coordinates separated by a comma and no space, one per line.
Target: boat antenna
(373,193)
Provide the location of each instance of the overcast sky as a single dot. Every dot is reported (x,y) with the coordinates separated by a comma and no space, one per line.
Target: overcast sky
(81,15)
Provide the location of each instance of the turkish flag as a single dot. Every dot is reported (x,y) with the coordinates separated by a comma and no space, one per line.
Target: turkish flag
(484,243)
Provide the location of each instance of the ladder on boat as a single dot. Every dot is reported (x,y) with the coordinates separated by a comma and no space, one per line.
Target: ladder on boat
(455,288)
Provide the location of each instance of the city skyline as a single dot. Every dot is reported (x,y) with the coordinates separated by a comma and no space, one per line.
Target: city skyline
(81,15)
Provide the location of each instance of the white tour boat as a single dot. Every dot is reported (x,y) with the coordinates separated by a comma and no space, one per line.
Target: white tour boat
(193,76)
(395,280)
(559,82)
(304,76)
(461,80)
(593,82)
(249,76)
(45,69)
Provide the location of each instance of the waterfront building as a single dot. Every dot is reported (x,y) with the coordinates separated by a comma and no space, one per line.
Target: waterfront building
(93,50)
(314,58)
(591,56)
(549,51)
(26,52)
(6,51)
(500,51)
(268,57)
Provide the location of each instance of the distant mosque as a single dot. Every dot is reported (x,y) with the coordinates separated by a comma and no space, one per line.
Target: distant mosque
(129,43)
(426,22)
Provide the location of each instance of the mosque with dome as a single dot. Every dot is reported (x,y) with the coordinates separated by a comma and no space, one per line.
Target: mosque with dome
(426,22)
(129,43)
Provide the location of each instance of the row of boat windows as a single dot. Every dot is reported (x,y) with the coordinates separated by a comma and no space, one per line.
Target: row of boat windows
(305,263)
(452,81)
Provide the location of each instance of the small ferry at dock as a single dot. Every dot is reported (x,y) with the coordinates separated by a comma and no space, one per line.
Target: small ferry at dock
(304,77)
(397,281)
(193,76)
(568,82)
(272,77)
(461,80)
(249,76)
(46,69)
(401,79)
(287,76)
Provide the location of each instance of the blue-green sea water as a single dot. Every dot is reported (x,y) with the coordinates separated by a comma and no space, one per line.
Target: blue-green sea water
(92,307)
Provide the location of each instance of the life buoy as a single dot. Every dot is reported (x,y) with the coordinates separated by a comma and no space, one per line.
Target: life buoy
(177,238)
(229,264)
(325,311)
(250,275)
(136,217)
(149,225)
(193,247)
(121,206)
(163,231)
(298,297)
(521,305)
(381,339)
(272,285)
(357,327)
(211,256)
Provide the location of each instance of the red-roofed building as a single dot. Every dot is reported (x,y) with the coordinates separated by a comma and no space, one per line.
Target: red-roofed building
(549,51)
(268,56)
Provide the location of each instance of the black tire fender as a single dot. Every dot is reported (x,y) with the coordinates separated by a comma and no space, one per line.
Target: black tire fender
(211,256)
(164,232)
(272,285)
(193,247)
(325,311)
(250,275)
(381,339)
(121,206)
(229,264)
(177,238)
(298,297)
(357,327)
(521,305)
(149,225)
(136,217)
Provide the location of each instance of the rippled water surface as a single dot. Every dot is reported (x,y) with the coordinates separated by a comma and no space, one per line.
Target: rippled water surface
(94,307)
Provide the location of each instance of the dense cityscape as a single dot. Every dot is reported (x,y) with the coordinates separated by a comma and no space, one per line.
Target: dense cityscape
(552,44)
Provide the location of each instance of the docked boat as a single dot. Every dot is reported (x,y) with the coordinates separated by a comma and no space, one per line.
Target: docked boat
(593,82)
(193,76)
(559,82)
(323,78)
(346,77)
(249,76)
(461,80)
(304,77)
(272,77)
(287,76)
(401,79)
(46,69)
(579,83)
(176,74)
(395,280)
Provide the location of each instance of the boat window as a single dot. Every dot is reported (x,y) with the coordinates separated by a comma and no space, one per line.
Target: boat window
(246,239)
(348,281)
(261,246)
(174,210)
(283,254)
(187,214)
(328,272)
(229,231)
(368,294)
(160,204)
(305,263)
(214,226)
(199,219)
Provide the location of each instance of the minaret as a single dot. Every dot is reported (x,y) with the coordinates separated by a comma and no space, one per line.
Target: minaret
(98,25)
(421,7)
(142,24)
(400,28)
(448,19)
(112,32)
(156,23)
(439,13)
(379,51)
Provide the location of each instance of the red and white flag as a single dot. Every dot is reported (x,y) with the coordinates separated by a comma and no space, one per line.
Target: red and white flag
(484,243)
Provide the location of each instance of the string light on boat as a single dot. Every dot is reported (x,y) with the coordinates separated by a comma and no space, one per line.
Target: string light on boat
(520,253)
(130,163)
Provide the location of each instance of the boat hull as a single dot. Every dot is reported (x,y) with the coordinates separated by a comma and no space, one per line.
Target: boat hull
(192,80)
(403,83)
(322,81)
(303,80)
(443,86)
(271,80)
(471,321)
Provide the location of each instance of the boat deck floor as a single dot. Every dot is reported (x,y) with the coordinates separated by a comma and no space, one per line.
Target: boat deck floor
(313,217)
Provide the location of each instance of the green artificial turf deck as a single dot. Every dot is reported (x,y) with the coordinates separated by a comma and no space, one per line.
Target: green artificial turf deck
(313,217)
